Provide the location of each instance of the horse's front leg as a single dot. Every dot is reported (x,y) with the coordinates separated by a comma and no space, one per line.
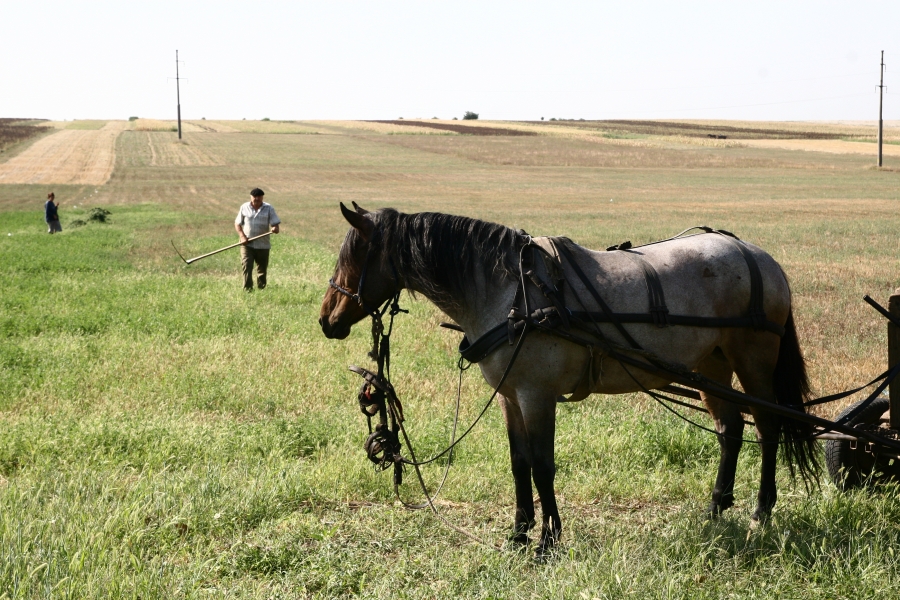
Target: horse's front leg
(539,415)
(521,468)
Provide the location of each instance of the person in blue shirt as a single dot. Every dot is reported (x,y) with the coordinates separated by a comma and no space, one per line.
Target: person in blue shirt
(51,214)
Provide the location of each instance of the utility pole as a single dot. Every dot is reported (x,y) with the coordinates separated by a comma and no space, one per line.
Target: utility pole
(178,94)
(880,102)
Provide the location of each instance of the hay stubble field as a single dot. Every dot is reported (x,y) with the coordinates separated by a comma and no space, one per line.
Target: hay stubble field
(166,435)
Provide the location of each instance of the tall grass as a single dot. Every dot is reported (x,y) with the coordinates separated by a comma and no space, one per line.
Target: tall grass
(167,435)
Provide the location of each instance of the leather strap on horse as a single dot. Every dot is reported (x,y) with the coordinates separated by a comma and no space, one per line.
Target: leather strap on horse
(611,316)
(658,313)
(685,320)
(756,310)
(657,300)
(478,350)
(553,289)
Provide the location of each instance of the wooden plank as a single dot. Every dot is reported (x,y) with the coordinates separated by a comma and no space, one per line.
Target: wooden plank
(893,359)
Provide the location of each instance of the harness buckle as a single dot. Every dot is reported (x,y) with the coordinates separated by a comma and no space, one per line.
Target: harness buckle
(371,399)
(383,447)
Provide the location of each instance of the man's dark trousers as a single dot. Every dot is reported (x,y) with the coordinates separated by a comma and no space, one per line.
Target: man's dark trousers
(261,258)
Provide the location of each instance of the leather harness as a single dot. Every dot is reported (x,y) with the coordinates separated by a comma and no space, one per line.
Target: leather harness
(558,319)
(377,396)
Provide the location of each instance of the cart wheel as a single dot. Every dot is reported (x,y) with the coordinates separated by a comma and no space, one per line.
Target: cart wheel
(855,467)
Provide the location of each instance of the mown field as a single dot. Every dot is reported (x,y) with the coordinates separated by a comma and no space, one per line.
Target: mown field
(165,435)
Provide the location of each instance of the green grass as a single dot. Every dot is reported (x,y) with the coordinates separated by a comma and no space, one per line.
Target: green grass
(167,435)
(86,124)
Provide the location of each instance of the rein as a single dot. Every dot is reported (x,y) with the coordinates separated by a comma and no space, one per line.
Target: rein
(378,397)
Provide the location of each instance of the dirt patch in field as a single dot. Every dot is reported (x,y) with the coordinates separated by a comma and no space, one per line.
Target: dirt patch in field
(165,152)
(463,129)
(559,151)
(14,131)
(69,156)
(718,130)
(831,146)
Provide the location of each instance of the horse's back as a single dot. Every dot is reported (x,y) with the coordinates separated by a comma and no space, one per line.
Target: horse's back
(701,275)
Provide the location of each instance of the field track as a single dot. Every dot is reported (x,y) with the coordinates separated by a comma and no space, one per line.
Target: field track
(69,156)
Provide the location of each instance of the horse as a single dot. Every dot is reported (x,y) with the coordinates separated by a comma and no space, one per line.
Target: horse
(470,270)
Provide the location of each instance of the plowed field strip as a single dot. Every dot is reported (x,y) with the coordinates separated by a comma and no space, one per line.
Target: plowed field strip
(831,146)
(464,129)
(66,157)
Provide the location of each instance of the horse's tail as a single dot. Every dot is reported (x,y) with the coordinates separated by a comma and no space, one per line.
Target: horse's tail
(792,389)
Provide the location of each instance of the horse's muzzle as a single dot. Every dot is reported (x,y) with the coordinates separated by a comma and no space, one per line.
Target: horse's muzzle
(333,332)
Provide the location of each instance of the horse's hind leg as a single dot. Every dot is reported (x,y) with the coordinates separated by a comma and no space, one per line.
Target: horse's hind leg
(755,368)
(520,457)
(729,426)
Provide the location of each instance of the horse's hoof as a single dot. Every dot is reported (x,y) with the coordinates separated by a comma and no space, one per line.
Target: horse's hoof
(543,554)
(547,546)
(713,512)
(518,541)
(758,519)
(716,509)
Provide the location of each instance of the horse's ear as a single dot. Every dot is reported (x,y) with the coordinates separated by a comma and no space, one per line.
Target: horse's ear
(361,223)
(359,208)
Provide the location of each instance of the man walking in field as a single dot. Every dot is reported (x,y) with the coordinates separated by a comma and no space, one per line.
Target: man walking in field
(51,214)
(255,218)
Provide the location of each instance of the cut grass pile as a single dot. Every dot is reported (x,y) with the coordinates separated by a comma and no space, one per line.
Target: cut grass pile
(167,435)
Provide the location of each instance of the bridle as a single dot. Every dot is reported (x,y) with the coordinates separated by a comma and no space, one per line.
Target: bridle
(377,397)
(377,312)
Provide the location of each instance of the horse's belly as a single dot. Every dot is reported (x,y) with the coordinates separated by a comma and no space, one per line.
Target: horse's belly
(616,378)
(682,347)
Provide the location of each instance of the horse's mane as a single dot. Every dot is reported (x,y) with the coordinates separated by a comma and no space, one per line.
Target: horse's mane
(441,254)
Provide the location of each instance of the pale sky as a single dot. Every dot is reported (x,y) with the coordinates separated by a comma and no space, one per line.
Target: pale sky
(384,59)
